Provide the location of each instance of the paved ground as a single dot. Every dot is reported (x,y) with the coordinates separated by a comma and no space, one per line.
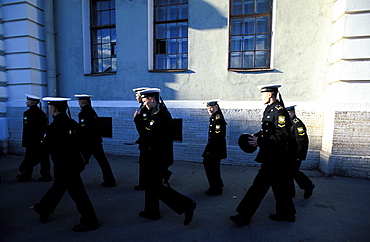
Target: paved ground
(339,210)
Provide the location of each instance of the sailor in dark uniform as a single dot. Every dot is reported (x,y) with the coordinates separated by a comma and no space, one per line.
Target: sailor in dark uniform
(215,149)
(156,152)
(34,128)
(89,125)
(140,118)
(64,145)
(299,132)
(274,154)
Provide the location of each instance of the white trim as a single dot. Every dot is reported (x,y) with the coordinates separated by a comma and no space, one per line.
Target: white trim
(86,46)
(150,35)
(273,24)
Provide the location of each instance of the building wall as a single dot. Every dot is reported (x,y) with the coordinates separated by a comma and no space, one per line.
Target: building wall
(320,57)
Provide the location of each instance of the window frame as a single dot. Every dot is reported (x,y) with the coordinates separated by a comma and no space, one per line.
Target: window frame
(88,41)
(270,27)
(152,40)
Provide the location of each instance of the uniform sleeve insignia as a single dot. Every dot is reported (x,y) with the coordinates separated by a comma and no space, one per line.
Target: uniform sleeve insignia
(217,116)
(217,128)
(281,121)
(278,107)
(295,120)
(301,131)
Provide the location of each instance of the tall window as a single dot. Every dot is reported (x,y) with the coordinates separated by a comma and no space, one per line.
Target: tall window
(250,34)
(103,36)
(171,34)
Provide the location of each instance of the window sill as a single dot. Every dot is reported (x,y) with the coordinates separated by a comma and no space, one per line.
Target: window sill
(182,70)
(101,74)
(250,70)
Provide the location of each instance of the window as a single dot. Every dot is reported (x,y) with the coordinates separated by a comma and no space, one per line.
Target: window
(103,36)
(250,34)
(170,34)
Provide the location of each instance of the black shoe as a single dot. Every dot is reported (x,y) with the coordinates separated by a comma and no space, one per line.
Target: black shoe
(44,217)
(240,219)
(24,178)
(45,179)
(139,188)
(189,213)
(278,217)
(149,215)
(85,227)
(308,192)
(108,184)
(213,192)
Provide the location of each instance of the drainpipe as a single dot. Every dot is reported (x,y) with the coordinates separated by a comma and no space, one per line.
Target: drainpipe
(50,49)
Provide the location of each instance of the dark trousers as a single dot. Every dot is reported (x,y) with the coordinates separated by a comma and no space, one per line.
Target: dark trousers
(280,182)
(212,169)
(141,180)
(35,155)
(301,179)
(72,183)
(155,191)
(98,152)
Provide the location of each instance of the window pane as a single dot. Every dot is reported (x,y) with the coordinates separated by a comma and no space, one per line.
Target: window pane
(160,62)
(172,46)
(172,62)
(106,50)
(97,67)
(236,43)
(237,27)
(107,65)
(261,42)
(183,61)
(261,58)
(105,36)
(161,31)
(248,6)
(249,43)
(262,25)
(161,13)
(235,60)
(183,29)
(249,24)
(104,5)
(172,29)
(112,16)
(263,6)
(183,45)
(172,12)
(183,11)
(172,1)
(114,64)
(113,34)
(248,59)
(160,2)
(105,18)
(237,7)
(96,51)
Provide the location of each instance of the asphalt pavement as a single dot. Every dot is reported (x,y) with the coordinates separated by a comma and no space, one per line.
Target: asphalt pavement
(339,209)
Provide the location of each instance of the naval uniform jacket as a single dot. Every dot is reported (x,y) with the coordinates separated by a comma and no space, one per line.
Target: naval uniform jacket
(300,136)
(274,138)
(63,142)
(89,123)
(156,140)
(140,121)
(34,126)
(216,145)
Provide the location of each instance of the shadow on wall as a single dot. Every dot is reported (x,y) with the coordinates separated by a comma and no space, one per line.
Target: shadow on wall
(210,18)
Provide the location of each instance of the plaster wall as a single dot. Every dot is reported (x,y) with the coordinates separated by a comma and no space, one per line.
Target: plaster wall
(299,58)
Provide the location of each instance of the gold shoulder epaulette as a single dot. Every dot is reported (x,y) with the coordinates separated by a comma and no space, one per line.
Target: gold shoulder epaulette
(278,107)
